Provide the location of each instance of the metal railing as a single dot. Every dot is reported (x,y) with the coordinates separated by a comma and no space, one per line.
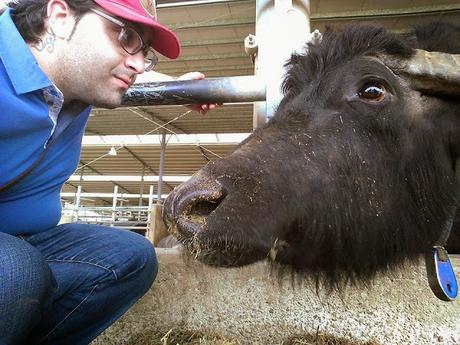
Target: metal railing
(127,217)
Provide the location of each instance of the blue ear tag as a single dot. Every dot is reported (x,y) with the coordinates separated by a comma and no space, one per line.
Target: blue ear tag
(441,275)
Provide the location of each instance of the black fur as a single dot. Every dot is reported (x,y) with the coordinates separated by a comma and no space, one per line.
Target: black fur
(335,185)
(338,47)
(436,36)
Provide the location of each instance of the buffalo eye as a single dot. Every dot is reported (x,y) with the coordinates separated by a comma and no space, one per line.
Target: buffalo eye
(372,91)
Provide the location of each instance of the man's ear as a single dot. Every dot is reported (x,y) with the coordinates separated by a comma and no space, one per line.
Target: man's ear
(60,19)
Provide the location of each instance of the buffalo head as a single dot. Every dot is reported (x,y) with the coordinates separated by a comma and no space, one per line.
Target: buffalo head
(353,175)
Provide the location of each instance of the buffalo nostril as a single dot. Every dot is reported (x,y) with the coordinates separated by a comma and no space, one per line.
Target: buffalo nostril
(203,208)
(193,208)
(202,204)
(188,206)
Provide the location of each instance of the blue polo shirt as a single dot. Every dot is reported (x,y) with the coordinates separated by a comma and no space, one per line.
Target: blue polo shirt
(33,129)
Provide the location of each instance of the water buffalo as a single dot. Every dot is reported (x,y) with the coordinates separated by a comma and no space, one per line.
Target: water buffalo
(354,174)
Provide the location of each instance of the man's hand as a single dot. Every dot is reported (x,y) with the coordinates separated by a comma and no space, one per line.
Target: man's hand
(201,108)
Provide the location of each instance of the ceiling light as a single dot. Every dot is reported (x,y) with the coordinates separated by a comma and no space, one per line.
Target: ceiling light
(112,151)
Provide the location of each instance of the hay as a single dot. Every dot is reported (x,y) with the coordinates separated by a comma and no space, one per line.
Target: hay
(179,337)
(323,339)
(187,337)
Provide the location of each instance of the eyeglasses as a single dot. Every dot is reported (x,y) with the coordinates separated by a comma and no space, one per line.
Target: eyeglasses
(131,41)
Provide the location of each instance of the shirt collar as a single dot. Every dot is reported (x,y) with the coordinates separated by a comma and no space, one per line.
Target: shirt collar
(20,64)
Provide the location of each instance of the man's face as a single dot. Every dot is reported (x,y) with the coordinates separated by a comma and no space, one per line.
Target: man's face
(95,68)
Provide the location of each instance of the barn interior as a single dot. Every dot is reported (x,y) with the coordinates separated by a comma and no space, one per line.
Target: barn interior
(127,150)
(133,157)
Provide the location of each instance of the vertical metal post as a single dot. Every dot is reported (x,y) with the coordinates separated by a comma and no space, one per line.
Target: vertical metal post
(161,171)
(282,27)
(141,193)
(114,204)
(150,204)
(150,221)
(82,172)
(77,202)
(78,195)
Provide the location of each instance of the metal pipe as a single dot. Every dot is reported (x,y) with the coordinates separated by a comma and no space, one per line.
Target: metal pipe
(282,27)
(150,203)
(162,162)
(78,194)
(210,90)
(141,192)
(114,204)
(77,202)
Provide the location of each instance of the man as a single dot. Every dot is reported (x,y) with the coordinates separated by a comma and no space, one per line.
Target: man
(65,284)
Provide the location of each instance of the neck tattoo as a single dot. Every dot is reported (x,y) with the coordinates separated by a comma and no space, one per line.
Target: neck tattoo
(47,42)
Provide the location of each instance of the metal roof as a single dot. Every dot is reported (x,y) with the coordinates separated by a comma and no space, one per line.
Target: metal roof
(231,118)
(212,35)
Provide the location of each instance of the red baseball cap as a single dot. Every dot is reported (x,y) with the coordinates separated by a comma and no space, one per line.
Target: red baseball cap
(165,41)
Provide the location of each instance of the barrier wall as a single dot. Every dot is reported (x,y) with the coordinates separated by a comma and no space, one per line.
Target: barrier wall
(252,306)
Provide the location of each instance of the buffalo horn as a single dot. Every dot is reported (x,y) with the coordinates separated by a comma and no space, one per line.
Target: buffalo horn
(429,72)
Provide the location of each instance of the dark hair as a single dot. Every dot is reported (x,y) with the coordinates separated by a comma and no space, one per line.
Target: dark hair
(30,15)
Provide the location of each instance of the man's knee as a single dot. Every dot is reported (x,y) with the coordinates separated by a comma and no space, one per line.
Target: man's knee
(26,283)
(127,255)
(141,262)
(23,270)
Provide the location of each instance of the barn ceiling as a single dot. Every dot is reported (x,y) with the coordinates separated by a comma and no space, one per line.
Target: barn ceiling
(212,34)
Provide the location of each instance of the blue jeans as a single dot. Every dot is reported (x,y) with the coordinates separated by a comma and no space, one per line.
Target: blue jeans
(67,284)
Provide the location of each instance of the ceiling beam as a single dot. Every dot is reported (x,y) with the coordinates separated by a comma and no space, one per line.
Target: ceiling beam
(129,178)
(110,195)
(157,121)
(180,70)
(171,3)
(221,42)
(170,109)
(211,57)
(99,173)
(145,165)
(213,23)
(203,154)
(153,140)
(84,191)
(327,16)
(164,4)
(411,11)
(90,131)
